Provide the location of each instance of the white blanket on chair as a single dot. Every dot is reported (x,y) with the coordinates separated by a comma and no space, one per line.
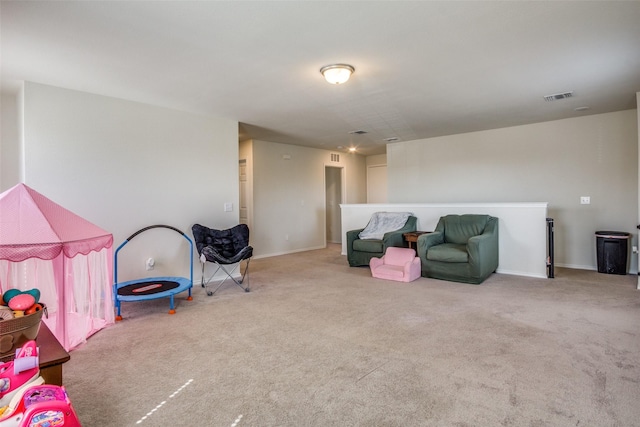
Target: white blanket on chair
(383,222)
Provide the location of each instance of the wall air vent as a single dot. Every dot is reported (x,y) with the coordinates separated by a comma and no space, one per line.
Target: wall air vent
(335,157)
(358,132)
(558,96)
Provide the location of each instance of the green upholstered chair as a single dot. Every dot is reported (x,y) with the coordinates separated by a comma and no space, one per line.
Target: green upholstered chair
(360,251)
(463,248)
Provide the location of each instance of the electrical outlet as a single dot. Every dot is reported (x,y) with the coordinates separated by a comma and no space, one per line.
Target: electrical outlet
(585,200)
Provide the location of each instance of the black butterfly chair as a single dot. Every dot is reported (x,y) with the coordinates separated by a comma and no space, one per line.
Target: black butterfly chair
(223,248)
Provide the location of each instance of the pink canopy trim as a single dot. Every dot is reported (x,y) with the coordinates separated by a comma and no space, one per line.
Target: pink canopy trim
(32,226)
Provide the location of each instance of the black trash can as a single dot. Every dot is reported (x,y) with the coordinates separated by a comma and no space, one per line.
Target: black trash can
(550,262)
(612,247)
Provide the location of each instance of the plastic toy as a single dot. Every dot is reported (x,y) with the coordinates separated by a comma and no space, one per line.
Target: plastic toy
(21,303)
(41,406)
(20,373)
(35,307)
(10,293)
(25,401)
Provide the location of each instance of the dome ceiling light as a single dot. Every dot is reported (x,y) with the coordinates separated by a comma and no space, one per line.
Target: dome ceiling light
(337,73)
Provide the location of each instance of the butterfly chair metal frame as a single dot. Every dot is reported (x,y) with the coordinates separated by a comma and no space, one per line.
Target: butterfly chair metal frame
(224,248)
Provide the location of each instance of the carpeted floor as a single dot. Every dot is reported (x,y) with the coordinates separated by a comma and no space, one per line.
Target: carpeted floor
(317,343)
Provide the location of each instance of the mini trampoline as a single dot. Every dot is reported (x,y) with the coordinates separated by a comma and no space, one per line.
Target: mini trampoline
(151,287)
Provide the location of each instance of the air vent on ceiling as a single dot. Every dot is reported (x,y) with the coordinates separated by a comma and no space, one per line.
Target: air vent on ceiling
(392,139)
(558,96)
(335,157)
(358,132)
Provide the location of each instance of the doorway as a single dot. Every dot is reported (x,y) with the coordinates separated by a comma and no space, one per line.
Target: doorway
(243,209)
(333,180)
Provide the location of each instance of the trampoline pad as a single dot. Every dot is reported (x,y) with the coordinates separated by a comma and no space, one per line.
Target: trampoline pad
(148,287)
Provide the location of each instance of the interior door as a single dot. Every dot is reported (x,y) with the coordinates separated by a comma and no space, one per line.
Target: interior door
(243,210)
(333,198)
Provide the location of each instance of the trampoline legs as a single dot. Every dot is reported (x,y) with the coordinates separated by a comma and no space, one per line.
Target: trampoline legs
(172,309)
(118,316)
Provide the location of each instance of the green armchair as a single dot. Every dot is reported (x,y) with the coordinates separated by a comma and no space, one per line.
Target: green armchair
(463,248)
(360,251)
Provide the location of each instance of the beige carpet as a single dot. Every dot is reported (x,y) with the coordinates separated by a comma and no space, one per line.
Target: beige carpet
(317,343)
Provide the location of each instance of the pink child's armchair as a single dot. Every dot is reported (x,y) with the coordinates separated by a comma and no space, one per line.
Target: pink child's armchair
(399,264)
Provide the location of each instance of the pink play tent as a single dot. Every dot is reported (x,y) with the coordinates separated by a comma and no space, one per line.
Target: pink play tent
(45,246)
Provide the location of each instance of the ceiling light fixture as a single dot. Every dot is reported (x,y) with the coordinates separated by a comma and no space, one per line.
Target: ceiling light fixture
(337,73)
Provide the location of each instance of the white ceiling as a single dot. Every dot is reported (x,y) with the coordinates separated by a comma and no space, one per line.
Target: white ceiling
(423,68)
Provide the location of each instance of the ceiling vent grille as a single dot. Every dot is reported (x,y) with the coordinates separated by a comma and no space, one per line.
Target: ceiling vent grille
(335,157)
(558,96)
(358,132)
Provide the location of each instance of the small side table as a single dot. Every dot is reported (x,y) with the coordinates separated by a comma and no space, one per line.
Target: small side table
(412,237)
(52,356)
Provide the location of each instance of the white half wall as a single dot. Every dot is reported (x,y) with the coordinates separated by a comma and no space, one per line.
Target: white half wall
(522,228)
(557,162)
(125,165)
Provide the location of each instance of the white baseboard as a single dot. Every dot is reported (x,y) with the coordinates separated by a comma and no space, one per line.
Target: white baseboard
(586,267)
(288,252)
(576,266)
(520,273)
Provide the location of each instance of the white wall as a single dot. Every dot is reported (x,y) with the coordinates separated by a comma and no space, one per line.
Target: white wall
(124,166)
(10,154)
(377,179)
(554,162)
(289,195)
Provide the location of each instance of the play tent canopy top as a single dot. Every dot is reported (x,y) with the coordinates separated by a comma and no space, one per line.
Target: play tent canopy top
(32,226)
